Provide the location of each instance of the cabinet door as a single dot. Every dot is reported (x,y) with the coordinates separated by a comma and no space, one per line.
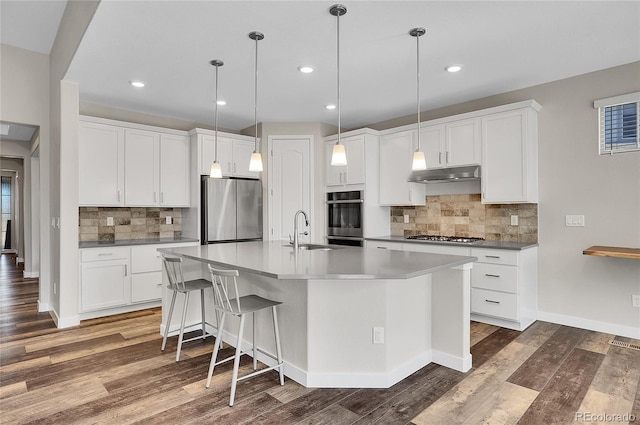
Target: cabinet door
(174,170)
(462,142)
(242,151)
(396,152)
(431,143)
(206,153)
(333,173)
(141,160)
(225,156)
(104,284)
(503,157)
(146,287)
(101,162)
(354,172)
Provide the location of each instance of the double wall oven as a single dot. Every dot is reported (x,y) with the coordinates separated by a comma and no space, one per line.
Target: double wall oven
(344,218)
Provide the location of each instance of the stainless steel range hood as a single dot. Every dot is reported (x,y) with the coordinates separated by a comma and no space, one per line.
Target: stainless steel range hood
(446,175)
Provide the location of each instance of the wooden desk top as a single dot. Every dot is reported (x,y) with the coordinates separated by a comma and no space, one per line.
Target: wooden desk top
(613,251)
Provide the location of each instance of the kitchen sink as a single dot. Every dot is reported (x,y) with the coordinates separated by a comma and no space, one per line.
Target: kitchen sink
(314,247)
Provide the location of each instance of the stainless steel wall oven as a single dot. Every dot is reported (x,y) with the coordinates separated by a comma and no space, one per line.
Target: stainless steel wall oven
(344,218)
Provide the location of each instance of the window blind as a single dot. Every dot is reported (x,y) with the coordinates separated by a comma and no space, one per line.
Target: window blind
(619,123)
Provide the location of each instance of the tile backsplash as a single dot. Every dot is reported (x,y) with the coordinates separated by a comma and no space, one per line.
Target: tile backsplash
(129,223)
(466,215)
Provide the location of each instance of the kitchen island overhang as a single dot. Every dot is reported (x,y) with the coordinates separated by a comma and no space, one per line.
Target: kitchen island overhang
(333,300)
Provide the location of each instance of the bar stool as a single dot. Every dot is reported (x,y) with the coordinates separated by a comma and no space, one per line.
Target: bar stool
(173,267)
(240,306)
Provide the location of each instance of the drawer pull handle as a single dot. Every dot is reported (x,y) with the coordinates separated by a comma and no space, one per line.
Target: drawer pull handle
(125,269)
(382,247)
(105,254)
(492,256)
(493,302)
(491,275)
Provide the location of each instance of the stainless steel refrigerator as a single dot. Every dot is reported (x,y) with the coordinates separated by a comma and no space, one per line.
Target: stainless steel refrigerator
(231,210)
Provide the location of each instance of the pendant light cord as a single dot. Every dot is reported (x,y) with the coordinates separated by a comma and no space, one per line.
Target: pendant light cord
(215,141)
(338,73)
(255,102)
(418,84)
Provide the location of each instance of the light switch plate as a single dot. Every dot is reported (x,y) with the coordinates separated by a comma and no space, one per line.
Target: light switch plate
(635,300)
(406,218)
(514,220)
(167,220)
(378,335)
(109,221)
(574,221)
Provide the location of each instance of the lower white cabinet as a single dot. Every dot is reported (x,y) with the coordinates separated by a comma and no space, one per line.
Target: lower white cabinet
(504,283)
(121,279)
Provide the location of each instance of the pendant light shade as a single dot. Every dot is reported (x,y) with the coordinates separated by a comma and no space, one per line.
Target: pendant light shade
(255,164)
(339,155)
(419,161)
(216,170)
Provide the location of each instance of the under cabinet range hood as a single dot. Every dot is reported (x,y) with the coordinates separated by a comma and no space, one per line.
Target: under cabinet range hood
(446,175)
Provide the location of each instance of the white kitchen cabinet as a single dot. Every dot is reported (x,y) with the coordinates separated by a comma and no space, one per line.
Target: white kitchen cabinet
(146,273)
(174,171)
(141,168)
(452,144)
(104,278)
(396,155)
(510,156)
(354,171)
(234,153)
(504,287)
(101,165)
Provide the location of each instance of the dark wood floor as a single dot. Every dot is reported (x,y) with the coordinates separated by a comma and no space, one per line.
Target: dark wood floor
(111,371)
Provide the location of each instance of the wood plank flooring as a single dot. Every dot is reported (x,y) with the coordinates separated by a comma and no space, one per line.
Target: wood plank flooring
(111,371)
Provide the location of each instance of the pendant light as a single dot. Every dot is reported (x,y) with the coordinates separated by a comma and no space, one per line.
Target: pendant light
(419,161)
(255,164)
(339,155)
(216,170)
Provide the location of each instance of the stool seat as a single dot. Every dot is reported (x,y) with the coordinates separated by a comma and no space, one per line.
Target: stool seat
(241,306)
(177,284)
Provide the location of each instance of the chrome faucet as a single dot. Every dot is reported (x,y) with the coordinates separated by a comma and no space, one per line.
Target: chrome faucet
(295,228)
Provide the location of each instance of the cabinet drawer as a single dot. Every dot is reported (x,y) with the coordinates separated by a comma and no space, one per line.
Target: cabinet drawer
(146,287)
(102,254)
(495,256)
(145,258)
(436,249)
(496,277)
(497,304)
(384,245)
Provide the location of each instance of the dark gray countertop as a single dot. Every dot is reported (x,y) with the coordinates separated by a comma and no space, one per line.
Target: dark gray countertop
(517,246)
(131,242)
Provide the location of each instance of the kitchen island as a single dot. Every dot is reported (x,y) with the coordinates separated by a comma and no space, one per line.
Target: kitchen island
(351,317)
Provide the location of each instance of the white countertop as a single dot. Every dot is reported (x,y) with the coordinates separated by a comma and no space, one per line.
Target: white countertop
(277,259)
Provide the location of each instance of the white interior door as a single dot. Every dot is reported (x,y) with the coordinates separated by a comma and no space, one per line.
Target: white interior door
(289,184)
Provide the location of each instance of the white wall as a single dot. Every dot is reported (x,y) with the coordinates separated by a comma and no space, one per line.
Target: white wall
(24,85)
(574,289)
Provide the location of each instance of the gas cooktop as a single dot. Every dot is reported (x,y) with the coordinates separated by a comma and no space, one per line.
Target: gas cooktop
(437,238)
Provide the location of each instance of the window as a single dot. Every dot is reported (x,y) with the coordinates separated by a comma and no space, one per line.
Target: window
(619,123)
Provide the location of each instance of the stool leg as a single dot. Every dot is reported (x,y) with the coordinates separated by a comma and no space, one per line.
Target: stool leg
(278,351)
(255,351)
(204,333)
(184,318)
(236,361)
(216,348)
(166,329)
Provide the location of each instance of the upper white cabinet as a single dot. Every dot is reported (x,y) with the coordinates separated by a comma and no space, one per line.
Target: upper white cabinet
(396,153)
(354,171)
(123,164)
(452,144)
(234,153)
(510,155)
(101,165)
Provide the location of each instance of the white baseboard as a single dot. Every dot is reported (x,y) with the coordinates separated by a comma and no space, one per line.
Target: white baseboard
(461,364)
(43,307)
(65,322)
(592,325)
(19,260)
(30,275)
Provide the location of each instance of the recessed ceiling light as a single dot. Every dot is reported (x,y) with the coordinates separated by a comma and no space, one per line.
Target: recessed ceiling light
(453,68)
(138,84)
(305,69)
(330,107)
(221,102)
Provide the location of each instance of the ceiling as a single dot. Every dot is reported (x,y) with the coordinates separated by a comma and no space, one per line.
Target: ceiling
(503,46)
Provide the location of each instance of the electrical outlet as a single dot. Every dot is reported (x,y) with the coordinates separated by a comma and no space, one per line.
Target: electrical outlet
(167,220)
(406,218)
(635,299)
(109,221)
(55,288)
(574,221)
(378,335)
(514,220)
